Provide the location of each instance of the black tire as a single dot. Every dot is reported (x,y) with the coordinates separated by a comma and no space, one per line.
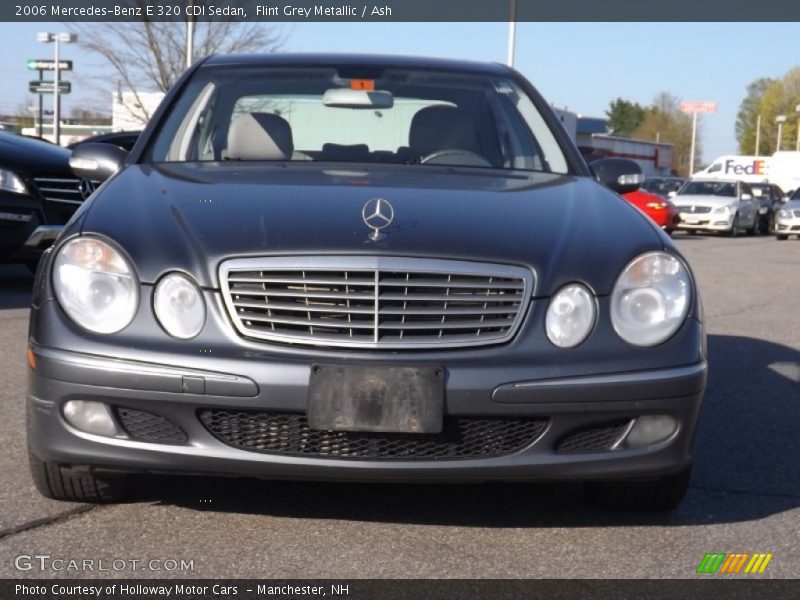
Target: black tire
(63,483)
(781,238)
(669,232)
(693,231)
(734,232)
(651,495)
(754,230)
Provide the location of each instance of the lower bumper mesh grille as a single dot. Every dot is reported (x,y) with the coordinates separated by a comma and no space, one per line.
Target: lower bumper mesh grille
(289,433)
(147,427)
(596,438)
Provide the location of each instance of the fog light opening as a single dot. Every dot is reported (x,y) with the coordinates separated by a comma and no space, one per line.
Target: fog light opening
(91,417)
(649,430)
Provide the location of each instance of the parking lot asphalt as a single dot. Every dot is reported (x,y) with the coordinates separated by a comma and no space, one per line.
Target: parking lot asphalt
(744,496)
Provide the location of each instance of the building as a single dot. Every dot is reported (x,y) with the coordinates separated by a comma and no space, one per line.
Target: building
(592,138)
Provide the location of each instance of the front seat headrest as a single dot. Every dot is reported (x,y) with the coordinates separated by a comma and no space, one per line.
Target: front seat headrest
(260,136)
(437,128)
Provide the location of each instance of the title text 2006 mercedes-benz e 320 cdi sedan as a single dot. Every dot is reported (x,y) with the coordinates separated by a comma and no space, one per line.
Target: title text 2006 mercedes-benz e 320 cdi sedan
(362,268)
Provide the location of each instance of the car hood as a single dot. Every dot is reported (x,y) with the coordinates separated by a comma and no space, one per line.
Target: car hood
(193,216)
(33,157)
(702,200)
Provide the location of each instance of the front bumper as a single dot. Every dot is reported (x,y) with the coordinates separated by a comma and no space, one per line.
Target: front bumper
(706,221)
(787,226)
(568,404)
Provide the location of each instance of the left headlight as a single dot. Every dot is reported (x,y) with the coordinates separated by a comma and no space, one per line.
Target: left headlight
(179,306)
(722,209)
(651,299)
(11,182)
(95,285)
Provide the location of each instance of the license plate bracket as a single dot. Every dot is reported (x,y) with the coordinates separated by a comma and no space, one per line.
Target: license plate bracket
(376,398)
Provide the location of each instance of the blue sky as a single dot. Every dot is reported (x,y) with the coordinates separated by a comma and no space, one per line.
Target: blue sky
(582,66)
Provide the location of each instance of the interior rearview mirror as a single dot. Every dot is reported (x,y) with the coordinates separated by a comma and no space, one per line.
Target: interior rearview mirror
(746,197)
(97,162)
(349,98)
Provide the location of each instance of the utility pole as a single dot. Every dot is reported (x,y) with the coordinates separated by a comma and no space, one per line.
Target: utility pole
(39,124)
(780,120)
(694,138)
(189,38)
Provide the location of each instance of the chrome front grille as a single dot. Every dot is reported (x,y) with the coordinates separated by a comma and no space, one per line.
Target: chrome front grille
(375,302)
(56,189)
(699,210)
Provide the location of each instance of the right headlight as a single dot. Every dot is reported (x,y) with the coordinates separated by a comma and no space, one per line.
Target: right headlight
(650,299)
(95,285)
(722,209)
(785,214)
(570,316)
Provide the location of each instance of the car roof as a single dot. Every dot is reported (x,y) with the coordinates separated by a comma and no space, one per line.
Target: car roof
(395,61)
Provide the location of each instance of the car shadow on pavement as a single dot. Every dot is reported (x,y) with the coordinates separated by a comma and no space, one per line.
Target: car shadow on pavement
(747,466)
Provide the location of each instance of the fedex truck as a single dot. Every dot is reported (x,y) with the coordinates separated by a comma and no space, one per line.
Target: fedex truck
(782,169)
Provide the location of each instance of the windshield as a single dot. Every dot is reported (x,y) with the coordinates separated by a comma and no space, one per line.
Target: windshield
(709,188)
(661,187)
(363,115)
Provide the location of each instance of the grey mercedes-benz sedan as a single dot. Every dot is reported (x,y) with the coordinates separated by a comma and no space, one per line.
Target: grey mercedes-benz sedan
(362,268)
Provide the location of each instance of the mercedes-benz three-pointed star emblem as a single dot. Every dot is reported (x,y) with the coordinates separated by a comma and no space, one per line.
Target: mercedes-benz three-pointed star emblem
(377,214)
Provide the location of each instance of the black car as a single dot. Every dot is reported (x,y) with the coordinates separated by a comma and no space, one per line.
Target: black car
(124,139)
(38,194)
(770,199)
(362,268)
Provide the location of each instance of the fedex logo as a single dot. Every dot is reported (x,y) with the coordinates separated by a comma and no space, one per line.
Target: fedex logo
(757,167)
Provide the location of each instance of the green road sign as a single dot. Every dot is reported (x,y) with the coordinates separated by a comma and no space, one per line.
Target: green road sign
(38,86)
(42,64)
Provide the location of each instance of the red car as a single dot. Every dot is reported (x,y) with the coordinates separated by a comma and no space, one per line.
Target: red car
(661,210)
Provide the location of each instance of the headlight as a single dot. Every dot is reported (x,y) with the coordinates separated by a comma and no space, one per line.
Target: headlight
(785,214)
(721,209)
(179,306)
(95,285)
(650,299)
(10,182)
(570,316)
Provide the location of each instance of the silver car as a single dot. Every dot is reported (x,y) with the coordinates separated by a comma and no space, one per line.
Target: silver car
(717,205)
(787,219)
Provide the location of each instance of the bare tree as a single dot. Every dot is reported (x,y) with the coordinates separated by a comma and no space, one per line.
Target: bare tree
(149,56)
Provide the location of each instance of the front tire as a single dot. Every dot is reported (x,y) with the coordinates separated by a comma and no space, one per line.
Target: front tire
(734,232)
(61,482)
(782,238)
(651,495)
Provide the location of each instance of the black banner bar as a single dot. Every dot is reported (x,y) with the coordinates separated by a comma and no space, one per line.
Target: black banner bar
(400,10)
(711,586)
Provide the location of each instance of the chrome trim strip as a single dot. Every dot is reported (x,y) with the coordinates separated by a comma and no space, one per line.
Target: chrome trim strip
(376,264)
(63,201)
(649,376)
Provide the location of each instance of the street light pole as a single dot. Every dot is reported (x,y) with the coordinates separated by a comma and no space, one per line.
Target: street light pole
(694,137)
(512,34)
(758,136)
(797,110)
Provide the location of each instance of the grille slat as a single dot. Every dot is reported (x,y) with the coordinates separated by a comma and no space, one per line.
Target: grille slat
(289,434)
(58,189)
(375,302)
(694,209)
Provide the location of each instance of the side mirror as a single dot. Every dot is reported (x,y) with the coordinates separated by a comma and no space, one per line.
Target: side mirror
(619,174)
(746,197)
(672,194)
(97,162)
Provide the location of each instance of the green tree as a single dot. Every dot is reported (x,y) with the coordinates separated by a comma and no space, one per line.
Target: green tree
(624,117)
(664,122)
(747,118)
(781,97)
